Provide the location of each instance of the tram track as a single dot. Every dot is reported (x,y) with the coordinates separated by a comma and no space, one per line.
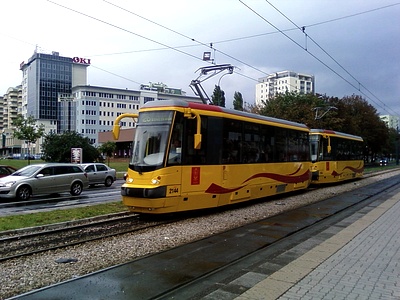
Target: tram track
(17,244)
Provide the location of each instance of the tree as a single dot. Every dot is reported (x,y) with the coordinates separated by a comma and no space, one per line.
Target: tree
(293,107)
(108,148)
(27,130)
(238,101)
(218,96)
(57,147)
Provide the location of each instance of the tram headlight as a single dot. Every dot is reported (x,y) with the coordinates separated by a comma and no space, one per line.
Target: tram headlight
(156,180)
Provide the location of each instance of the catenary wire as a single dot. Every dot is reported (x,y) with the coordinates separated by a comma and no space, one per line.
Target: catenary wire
(329,55)
(175,48)
(314,56)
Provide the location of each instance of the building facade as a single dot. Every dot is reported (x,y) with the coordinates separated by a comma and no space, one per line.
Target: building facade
(96,108)
(282,82)
(390,121)
(10,108)
(45,77)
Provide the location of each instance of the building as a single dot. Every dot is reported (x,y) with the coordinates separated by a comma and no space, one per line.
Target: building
(390,121)
(45,77)
(10,108)
(282,82)
(54,91)
(95,108)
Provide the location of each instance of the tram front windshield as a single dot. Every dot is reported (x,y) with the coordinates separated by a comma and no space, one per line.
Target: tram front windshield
(151,140)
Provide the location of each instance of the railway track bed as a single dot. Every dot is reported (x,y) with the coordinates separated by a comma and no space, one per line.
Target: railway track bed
(194,269)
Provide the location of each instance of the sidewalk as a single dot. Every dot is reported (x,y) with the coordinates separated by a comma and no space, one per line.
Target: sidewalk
(360,262)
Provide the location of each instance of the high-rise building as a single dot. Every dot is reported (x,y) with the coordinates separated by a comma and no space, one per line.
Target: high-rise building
(282,82)
(45,77)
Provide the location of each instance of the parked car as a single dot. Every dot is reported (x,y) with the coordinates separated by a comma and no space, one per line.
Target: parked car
(383,161)
(40,179)
(6,170)
(100,174)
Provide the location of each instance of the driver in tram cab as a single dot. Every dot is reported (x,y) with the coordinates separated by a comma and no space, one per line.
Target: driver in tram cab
(175,151)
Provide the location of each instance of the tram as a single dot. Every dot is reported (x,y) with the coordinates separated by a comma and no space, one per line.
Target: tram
(336,156)
(189,156)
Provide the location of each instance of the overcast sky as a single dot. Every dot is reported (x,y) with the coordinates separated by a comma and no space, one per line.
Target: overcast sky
(352,46)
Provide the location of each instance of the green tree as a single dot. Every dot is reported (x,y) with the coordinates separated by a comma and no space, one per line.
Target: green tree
(238,101)
(108,148)
(57,147)
(27,130)
(218,96)
(293,107)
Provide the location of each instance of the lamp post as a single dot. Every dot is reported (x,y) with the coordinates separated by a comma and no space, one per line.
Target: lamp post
(397,145)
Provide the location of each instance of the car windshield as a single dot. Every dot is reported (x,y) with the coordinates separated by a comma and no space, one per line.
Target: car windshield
(26,171)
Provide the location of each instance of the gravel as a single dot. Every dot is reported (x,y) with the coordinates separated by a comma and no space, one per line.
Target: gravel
(25,274)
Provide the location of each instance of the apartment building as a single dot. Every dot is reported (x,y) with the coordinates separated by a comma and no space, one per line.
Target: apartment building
(390,121)
(282,82)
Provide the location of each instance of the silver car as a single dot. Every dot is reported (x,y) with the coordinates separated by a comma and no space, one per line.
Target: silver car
(100,174)
(40,179)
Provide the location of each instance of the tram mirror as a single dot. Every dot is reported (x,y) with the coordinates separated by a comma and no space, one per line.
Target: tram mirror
(329,148)
(197,141)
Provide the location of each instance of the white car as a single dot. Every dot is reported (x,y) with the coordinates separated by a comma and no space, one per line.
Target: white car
(100,174)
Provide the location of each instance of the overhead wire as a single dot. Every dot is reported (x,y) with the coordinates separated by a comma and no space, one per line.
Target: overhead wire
(329,55)
(210,45)
(313,55)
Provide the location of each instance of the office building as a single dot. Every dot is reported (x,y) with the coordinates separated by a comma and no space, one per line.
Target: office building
(45,77)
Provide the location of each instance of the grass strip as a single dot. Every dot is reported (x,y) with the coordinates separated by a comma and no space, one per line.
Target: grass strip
(57,216)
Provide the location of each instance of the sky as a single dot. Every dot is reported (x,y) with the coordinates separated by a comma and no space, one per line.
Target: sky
(350,46)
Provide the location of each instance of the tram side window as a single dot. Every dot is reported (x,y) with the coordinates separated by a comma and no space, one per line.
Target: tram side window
(211,141)
(281,146)
(252,143)
(344,149)
(191,156)
(298,146)
(232,140)
(267,147)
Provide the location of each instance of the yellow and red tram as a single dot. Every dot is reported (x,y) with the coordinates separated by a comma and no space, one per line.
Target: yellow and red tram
(336,156)
(189,156)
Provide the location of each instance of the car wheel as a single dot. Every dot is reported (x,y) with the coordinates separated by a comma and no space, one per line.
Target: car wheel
(108,182)
(76,189)
(23,193)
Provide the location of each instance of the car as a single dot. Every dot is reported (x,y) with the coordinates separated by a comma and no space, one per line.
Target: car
(383,161)
(6,170)
(100,174)
(39,179)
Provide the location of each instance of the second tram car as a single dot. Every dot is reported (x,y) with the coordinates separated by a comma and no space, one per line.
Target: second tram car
(189,156)
(336,156)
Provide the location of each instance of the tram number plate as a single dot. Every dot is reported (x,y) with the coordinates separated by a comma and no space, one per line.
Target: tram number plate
(172,190)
